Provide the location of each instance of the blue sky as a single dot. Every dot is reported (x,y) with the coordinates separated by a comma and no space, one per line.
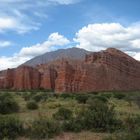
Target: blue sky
(29,28)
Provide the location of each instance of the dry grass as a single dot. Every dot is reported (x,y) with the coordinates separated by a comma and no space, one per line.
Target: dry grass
(122,107)
(78,136)
(81,136)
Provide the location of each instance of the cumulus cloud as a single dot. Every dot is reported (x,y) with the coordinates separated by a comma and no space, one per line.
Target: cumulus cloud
(54,40)
(96,37)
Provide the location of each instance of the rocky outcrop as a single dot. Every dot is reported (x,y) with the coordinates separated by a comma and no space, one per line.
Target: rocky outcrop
(26,78)
(2,78)
(48,78)
(65,77)
(9,78)
(1,83)
(100,71)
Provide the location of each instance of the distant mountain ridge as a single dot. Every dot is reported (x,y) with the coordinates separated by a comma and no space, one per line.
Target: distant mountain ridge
(70,53)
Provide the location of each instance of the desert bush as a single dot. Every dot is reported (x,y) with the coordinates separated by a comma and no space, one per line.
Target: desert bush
(106,95)
(54,105)
(8,104)
(10,127)
(97,116)
(125,136)
(26,96)
(73,125)
(99,98)
(32,105)
(136,100)
(100,116)
(67,95)
(56,95)
(43,128)
(119,96)
(63,114)
(131,130)
(93,93)
(132,123)
(37,97)
(82,98)
(40,97)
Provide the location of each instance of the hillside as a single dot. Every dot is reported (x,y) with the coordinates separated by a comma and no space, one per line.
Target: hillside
(70,53)
(108,70)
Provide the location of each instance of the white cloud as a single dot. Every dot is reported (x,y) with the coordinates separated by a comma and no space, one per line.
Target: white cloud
(23,16)
(96,37)
(6,23)
(5,44)
(54,41)
(16,24)
(11,62)
(93,37)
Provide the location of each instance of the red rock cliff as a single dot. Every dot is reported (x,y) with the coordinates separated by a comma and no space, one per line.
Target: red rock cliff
(26,78)
(100,71)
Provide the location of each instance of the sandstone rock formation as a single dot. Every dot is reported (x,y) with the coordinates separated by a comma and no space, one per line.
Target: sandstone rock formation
(100,71)
(9,78)
(48,78)
(26,78)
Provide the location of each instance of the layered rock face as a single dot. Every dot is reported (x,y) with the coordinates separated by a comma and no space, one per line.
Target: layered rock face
(7,79)
(48,78)
(2,79)
(101,71)
(26,78)
(107,70)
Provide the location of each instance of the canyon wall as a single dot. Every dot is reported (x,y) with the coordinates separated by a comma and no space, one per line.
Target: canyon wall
(100,71)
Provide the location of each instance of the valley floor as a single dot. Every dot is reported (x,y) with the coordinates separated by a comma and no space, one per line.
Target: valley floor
(125,105)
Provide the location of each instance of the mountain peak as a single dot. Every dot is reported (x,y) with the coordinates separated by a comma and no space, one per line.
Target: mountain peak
(69,53)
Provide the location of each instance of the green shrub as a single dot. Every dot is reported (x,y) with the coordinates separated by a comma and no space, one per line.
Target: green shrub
(119,96)
(131,130)
(73,125)
(54,105)
(8,104)
(99,98)
(63,114)
(67,95)
(26,96)
(132,123)
(125,136)
(136,100)
(107,95)
(100,116)
(40,97)
(93,93)
(10,127)
(43,128)
(56,95)
(32,105)
(82,98)
(97,116)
